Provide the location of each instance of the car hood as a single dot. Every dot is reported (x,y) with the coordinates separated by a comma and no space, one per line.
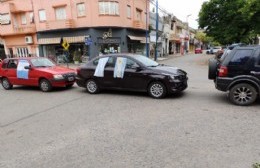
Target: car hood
(169,70)
(56,70)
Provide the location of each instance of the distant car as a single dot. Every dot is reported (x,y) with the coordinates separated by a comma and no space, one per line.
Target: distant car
(213,50)
(132,73)
(35,71)
(198,51)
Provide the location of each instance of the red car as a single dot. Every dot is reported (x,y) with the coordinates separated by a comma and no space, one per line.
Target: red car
(35,71)
(198,51)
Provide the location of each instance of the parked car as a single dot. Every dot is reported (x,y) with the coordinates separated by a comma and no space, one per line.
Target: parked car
(238,73)
(132,73)
(198,51)
(35,71)
(213,50)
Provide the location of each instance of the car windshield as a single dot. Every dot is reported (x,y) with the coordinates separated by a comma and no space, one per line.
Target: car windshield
(42,62)
(146,61)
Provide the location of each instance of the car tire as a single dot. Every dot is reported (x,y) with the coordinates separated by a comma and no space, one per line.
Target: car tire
(212,68)
(45,85)
(92,86)
(157,90)
(6,84)
(242,94)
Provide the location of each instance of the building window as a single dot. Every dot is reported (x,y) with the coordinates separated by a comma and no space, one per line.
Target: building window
(42,15)
(31,17)
(60,13)
(138,15)
(23,19)
(22,52)
(128,11)
(5,19)
(81,9)
(108,8)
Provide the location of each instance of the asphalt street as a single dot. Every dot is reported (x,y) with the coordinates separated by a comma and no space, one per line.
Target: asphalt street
(69,128)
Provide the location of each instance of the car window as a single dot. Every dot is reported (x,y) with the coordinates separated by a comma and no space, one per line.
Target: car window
(12,64)
(146,61)
(241,57)
(130,63)
(110,62)
(42,62)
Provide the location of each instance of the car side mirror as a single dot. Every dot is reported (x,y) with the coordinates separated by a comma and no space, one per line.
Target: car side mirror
(136,67)
(28,67)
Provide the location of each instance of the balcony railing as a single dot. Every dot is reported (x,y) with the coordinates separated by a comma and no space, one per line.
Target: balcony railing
(24,29)
(59,24)
(138,24)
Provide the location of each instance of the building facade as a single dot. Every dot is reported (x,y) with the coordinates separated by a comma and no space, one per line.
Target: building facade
(36,27)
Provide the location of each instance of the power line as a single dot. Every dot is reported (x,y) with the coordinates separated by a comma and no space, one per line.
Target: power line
(160,8)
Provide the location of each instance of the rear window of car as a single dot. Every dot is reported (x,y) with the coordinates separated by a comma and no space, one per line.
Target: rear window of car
(240,57)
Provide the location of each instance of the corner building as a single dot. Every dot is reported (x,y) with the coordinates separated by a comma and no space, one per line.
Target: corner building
(35,27)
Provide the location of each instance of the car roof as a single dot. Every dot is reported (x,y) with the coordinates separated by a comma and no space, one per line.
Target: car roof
(25,58)
(120,54)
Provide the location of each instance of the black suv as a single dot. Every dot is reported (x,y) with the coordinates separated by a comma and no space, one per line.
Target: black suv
(239,73)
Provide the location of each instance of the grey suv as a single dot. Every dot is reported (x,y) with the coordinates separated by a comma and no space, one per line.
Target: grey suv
(239,73)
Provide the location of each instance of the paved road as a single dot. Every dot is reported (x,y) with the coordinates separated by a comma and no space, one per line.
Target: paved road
(72,129)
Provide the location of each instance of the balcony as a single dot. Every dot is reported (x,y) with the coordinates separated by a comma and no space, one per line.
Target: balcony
(59,24)
(21,9)
(138,24)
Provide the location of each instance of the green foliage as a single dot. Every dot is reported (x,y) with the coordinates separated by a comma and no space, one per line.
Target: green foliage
(229,21)
(256,165)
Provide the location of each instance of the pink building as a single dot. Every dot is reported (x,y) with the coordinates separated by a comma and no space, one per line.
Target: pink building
(94,26)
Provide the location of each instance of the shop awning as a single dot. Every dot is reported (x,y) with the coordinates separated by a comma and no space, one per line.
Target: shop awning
(138,38)
(56,40)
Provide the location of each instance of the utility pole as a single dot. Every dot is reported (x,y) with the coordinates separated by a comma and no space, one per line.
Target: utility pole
(188,29)
(156,39)
(146,32)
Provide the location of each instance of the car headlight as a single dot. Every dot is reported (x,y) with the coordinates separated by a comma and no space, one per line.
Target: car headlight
(174,77)
(58,77)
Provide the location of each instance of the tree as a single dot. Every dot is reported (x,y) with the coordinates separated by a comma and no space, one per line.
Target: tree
(229,21)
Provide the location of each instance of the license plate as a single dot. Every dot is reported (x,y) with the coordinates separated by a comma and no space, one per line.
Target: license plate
(70,78)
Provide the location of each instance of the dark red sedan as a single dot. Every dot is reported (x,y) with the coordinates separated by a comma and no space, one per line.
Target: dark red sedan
(132,73)
(198,51)
(35,71)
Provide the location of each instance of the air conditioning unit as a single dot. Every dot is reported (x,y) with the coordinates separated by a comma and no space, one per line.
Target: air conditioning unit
(28,39)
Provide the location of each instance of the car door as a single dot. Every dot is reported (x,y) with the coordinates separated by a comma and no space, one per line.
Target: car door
(108,80)
(256,70)
(11,71)
(26,76)
(135,76)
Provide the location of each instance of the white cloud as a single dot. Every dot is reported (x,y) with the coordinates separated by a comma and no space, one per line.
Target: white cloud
(182,8)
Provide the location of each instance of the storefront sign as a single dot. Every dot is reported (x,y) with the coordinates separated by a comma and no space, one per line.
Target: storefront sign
(109,40)
(107,34)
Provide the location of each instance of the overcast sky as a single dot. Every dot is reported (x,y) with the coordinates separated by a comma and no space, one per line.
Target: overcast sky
(182,8)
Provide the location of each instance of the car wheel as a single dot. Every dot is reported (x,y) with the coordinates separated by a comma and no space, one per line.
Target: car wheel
(45,85)
(92,86)
(6,84)
(157,90)
(212,69)
(242,94)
